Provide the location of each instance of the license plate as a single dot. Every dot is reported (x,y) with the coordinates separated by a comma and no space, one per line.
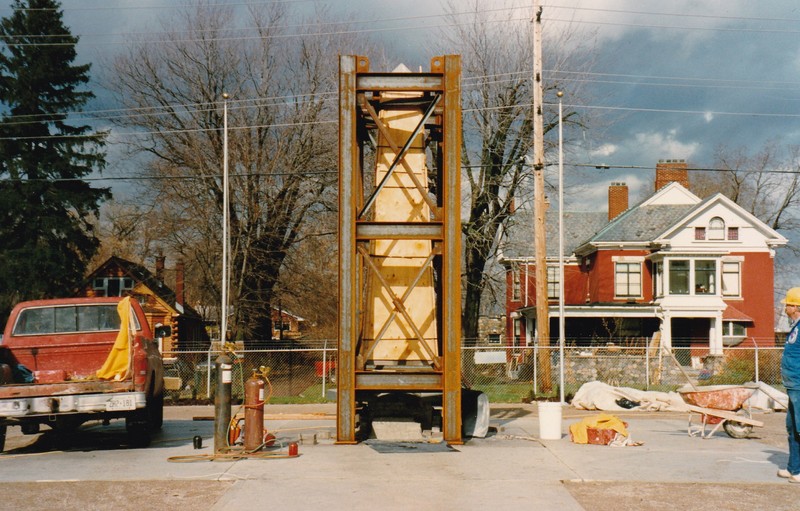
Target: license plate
(118,403)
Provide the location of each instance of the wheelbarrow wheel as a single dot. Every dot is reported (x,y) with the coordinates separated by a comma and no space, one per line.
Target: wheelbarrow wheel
(737,429)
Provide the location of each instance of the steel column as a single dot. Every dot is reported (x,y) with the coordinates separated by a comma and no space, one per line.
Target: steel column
(349,163)
(451,253)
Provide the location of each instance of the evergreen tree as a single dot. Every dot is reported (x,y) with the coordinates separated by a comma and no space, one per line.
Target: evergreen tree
(47,235)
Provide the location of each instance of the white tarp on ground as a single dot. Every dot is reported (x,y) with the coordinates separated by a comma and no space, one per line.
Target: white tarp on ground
(596,395)
(768,398)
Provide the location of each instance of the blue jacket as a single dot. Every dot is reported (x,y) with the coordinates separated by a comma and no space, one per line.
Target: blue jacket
(790,363)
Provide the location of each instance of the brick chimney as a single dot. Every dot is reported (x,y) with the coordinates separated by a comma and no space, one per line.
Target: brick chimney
(160,267)
(617,200)
(668,171)
(179,276)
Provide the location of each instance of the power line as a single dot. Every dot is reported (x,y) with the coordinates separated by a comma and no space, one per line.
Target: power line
(677,27)
(466,110)
(329,172)
(282,26)
(679,15)
(604,166)
(282,36)
(176,6)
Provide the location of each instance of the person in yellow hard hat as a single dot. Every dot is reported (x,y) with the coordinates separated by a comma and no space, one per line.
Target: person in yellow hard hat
(790,372)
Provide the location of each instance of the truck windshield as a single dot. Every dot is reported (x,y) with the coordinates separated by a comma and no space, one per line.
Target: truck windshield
(80,318)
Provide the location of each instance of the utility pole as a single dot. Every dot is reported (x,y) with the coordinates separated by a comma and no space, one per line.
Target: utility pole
(540,208)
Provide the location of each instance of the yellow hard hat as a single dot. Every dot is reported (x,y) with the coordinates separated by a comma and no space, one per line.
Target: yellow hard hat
(792,296)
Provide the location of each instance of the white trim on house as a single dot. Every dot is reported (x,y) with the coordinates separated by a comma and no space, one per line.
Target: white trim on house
(671,194)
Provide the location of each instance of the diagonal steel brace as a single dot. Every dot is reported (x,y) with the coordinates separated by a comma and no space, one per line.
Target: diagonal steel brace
(399,306)
(400,157)
(393,145)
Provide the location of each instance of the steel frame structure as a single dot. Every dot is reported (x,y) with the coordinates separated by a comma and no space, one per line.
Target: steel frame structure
(360,100)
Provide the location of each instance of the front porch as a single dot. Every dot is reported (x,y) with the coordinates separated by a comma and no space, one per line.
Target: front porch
(693,334)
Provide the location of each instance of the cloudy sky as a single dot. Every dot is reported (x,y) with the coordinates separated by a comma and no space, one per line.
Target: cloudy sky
(671,80)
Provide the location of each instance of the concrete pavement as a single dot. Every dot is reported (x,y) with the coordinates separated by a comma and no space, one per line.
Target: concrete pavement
(510,469)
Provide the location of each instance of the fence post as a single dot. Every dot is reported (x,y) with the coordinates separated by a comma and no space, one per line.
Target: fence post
(208,374)
(535,370)
(646,366)
(758,379)
(324,364)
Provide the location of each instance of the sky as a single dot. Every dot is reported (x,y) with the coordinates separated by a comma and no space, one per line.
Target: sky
(670,80)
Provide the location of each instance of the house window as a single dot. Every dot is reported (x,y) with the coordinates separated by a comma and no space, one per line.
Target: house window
(733,233)
(658,279)
(515,286)
(494,338)
(679,277)
(699,233)
(733,332)
(553,283)
(731,278)
(705,277)
(716,229)
(627,280)
(112,286)
(517,331)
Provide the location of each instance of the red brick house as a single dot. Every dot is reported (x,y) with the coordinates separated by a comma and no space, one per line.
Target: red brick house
(698,271)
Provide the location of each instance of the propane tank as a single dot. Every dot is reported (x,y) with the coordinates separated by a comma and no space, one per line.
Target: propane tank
(253,412)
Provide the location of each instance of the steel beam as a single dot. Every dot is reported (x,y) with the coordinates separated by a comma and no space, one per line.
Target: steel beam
(399,380)
(367,231)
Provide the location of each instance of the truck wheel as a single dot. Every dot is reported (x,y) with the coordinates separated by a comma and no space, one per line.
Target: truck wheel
(3,437)
(141,423)
(157,411)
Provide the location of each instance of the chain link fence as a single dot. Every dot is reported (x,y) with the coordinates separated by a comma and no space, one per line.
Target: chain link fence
(507,374)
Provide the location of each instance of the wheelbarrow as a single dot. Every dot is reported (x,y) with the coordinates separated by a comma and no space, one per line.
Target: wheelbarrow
(720,406)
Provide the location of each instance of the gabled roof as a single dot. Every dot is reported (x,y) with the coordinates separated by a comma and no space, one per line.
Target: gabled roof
(655,218)
(143,276)
(719,198)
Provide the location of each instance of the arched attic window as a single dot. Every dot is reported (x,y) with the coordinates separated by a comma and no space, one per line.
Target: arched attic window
(716,229)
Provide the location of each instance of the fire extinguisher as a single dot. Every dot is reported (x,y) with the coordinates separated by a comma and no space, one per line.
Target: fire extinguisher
(253,412)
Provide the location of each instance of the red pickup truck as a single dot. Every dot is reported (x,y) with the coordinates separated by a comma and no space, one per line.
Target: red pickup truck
(67,361)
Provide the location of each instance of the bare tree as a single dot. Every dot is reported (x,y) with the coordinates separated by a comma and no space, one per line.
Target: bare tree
(496,52)
(766,183)
(281,142)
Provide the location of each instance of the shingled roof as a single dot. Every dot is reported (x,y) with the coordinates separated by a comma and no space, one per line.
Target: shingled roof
(641,224)
(579,226)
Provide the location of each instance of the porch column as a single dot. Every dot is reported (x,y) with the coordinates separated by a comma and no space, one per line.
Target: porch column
(715,335)
(666,330)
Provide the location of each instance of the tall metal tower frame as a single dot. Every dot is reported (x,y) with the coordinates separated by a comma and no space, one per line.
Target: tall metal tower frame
(362,94)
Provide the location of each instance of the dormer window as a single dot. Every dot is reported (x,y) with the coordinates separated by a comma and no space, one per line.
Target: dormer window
(716,229)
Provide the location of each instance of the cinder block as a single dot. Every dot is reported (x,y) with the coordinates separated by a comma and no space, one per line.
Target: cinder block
(397,430)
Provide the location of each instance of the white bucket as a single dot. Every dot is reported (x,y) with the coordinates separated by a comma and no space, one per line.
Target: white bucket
(549,421)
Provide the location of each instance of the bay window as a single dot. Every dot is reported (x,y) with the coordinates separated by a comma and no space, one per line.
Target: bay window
(679,277)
